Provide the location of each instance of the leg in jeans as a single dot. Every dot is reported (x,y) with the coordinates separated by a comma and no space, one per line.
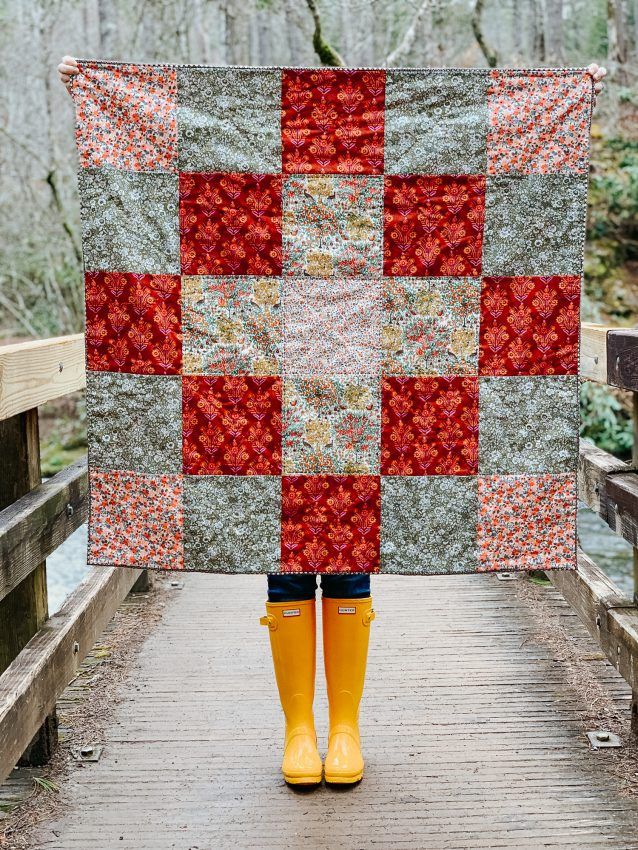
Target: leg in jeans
(291,621)
(351,586)
(291,588)
(347,614)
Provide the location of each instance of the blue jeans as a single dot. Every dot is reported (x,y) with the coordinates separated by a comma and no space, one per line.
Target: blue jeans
(296,588)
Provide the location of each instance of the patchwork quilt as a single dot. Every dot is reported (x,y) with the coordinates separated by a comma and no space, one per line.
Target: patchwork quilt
(332,316)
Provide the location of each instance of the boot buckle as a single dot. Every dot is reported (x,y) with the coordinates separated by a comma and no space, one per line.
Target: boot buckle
(268,620)
(368,617)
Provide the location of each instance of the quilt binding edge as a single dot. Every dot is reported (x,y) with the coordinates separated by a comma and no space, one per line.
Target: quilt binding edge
(418,70)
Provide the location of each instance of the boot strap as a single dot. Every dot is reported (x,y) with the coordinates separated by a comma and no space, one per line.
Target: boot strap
(270,621)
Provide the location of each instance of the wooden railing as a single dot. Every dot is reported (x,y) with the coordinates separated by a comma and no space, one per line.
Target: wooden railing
(40,655)
(610,488)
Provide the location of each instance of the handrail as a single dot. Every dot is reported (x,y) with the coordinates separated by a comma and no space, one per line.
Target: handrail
(609,355)
(37,371)
(34,526)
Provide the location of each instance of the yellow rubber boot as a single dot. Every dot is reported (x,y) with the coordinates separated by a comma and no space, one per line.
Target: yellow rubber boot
(346,632)
(292,629)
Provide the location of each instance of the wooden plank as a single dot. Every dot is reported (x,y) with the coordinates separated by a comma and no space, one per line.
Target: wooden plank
(593,352)
(609,616)
(22,614)
(622,358)
(35,525)
(24,611)
(607,486)
(594,465)
(621,505)
(34,372)
(472,730)
(33,681)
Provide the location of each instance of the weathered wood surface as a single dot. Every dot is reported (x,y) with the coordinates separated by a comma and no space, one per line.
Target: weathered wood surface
(471,732)
(34,680)
(609,617)
(37,371)
(622,358)
(594,466)
(35,525)
(593,352)
(609,355)
(609,487)
(621,508)
(24,610)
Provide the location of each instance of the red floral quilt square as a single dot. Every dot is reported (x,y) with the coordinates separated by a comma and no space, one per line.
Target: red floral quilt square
(527,522)
(231,425)
(429,426)
(330,523)
(126,116)
(433,225)
(133,323)
(538,123)
(529,325)
(230,223)
(136,520)
(332,121)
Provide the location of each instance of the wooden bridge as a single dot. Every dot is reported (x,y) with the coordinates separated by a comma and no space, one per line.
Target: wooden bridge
(479,693)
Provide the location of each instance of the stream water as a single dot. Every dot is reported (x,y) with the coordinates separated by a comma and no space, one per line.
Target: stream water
(67,565)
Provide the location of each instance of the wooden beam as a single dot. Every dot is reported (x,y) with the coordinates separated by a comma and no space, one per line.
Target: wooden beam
(609,355)
(31,684)
(593,352)
(594,467)
(622,358)
(34,372)
(621,505)
(35,525)
(609,616)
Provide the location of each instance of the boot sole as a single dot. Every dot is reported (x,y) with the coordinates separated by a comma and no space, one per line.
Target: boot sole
(344,780)
(302,780)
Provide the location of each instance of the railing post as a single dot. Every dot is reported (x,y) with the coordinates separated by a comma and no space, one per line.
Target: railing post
(25,609)
(144,583)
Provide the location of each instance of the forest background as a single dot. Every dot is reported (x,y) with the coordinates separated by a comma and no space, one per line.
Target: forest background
(40,255)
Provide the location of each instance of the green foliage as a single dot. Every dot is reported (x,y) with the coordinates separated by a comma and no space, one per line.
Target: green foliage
(604,420)
(612,237)
(40,298)
(62,434)
(614,192)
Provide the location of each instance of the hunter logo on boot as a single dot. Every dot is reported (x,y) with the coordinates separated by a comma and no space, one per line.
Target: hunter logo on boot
(343,610)
(291,612)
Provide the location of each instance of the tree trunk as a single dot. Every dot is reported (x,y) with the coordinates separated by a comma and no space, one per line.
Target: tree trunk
(616,37)
(554,40)
(538,30)
(406,44)
(323,49)
(487,51)
(108,28)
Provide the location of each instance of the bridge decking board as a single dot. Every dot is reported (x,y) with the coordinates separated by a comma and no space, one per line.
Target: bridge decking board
(471,732)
